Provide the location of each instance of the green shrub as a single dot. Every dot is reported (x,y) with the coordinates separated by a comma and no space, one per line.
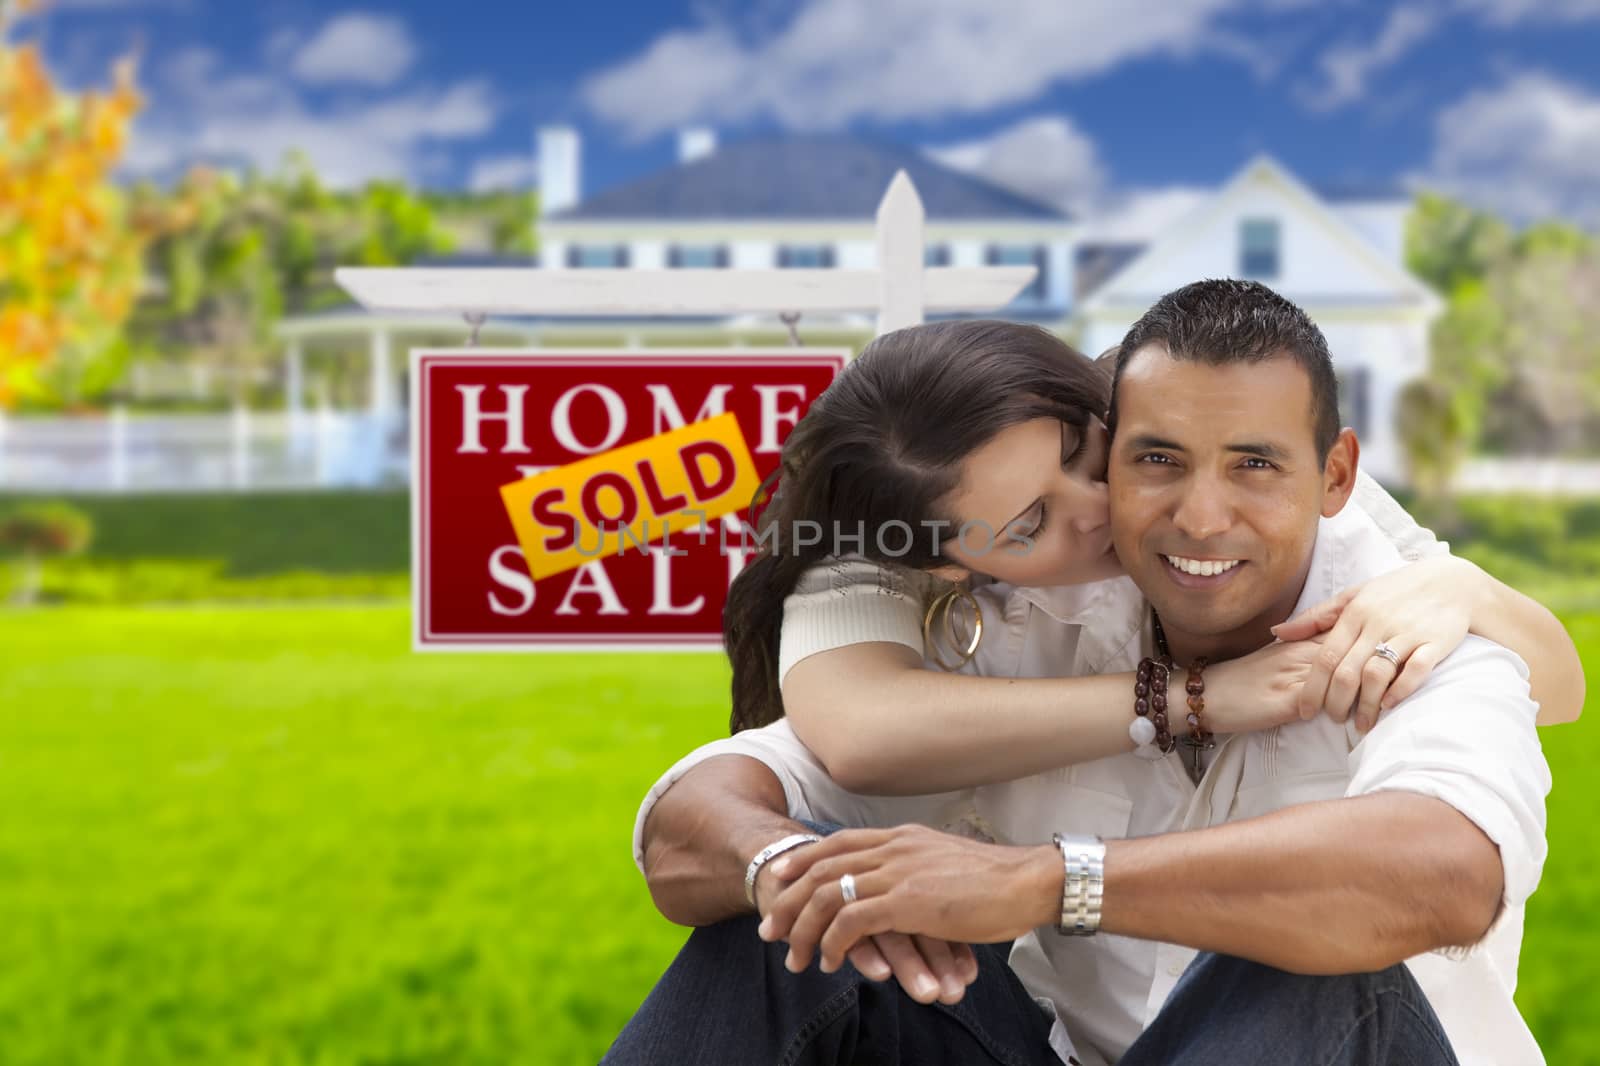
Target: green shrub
(45,528)
(1531,526)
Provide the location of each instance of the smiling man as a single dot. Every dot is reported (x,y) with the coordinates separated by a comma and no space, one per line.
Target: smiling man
(1227,451)
(1314,859)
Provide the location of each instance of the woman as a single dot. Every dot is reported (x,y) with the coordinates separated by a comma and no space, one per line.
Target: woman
(899,440)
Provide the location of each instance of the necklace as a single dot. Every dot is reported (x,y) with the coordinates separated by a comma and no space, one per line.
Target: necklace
(1199,739)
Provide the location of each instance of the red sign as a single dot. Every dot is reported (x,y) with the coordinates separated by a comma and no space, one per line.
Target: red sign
(485,419)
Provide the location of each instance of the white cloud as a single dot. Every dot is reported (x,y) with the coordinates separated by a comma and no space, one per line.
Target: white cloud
(201,111)
(1047,158)
(1346,68)
(1529,147)
(837,61)
(1507,12)
(356,49)
(504,172)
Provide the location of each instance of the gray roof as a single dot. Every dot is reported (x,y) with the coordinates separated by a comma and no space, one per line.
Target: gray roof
(805,177)
(1096,263)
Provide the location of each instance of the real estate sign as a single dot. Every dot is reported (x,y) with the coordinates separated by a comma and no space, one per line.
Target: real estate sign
(592,499)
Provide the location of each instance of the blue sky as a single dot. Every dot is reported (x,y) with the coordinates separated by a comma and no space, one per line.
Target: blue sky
(1097,104)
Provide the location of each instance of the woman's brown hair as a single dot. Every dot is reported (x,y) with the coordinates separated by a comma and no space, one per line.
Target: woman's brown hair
(884,444)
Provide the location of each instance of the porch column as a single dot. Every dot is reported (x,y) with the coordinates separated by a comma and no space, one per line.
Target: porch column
(380,395)
(294,387)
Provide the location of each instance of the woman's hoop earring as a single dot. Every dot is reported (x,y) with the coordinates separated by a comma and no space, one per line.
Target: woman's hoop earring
(942,604)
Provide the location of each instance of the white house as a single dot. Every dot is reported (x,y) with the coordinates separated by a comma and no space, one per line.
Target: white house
(796,201)
(1340,259)
(808,201)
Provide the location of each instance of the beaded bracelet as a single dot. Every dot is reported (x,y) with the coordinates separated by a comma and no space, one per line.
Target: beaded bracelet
(1199,738)
(1150,705)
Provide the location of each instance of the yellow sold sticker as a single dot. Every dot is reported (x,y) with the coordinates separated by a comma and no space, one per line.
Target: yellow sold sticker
(631,496)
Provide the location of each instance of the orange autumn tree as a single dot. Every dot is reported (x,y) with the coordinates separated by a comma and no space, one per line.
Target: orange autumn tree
(69,256)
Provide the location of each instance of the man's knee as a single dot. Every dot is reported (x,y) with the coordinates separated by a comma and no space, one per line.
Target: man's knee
(1295,1017)
(1213,974)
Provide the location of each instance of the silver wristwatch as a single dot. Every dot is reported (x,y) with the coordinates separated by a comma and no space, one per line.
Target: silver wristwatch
(1084,886)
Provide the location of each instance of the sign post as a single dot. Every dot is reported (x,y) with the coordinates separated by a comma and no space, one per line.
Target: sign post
(553,491)
(487,423)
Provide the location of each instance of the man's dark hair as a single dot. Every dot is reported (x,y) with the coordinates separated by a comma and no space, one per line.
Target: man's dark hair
(1218,322)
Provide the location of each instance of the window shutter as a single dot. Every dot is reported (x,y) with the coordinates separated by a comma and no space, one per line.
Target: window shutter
(827,255)
(622,255)
(674,256)
(722,255)
(572,255)
(1040,288)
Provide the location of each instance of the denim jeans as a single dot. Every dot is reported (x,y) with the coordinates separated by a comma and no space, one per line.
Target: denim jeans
(727,999)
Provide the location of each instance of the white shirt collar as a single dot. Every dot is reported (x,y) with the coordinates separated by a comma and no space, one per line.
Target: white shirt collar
(1067,604)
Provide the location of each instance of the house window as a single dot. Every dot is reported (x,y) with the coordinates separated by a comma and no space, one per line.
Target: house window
(1354,390)
(936,255)
(805,255)
(697,256)
(1259,248)
(591,256)
(1034,255)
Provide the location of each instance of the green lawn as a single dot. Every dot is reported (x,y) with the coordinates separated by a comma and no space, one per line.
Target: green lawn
(274,835)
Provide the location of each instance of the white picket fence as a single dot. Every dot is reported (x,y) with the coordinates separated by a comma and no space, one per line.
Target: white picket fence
(240,451)
(1542,477)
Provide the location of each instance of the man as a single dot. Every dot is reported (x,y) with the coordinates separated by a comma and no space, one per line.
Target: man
(1314,849)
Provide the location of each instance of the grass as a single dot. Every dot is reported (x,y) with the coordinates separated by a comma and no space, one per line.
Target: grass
(274,835)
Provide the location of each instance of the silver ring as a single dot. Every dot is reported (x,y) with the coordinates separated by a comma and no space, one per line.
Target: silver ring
(1383,651)
(847,885)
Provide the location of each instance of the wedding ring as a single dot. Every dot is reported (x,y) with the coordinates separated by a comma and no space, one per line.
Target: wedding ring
(847,885)
(1383,651)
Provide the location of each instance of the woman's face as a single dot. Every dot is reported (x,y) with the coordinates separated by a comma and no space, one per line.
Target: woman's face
(1033,506)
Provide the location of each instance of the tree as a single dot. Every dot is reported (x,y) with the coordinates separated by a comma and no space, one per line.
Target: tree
(1449,243)
(69,256)
(1433,434)
(254,247)
(1516,355)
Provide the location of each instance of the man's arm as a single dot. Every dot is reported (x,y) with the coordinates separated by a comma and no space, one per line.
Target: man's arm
(1341,886)
(700,835)
(698,838)
(1444,821)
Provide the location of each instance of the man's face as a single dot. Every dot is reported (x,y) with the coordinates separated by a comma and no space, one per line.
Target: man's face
(1216,491)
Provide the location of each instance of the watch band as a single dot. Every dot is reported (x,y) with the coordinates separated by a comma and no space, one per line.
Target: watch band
(767,854)
(1084,883)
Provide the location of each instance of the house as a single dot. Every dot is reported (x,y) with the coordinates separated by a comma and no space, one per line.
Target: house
(809,201)
(1339,256)
(796,201)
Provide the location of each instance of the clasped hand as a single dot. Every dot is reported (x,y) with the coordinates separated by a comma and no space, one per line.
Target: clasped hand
(911,881)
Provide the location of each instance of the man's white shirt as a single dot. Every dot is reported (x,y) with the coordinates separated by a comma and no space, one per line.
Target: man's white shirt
(1466,737)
